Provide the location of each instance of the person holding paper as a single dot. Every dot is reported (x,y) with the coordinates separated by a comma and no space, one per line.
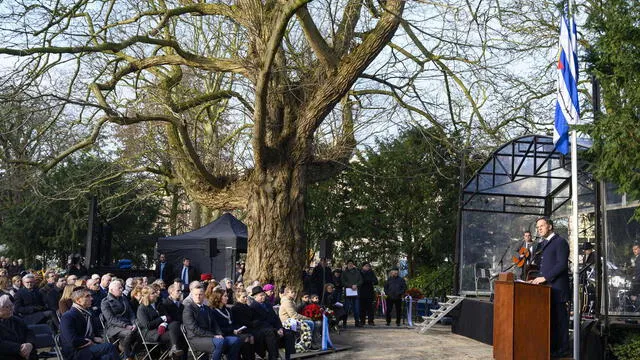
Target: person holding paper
(352,280)
(394,288)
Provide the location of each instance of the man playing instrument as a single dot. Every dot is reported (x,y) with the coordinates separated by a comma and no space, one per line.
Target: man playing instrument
(526,254)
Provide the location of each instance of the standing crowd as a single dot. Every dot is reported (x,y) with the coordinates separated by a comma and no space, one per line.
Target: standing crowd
(353,290)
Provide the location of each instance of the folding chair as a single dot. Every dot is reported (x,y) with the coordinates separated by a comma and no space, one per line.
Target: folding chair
(149,346)
(45,339)
(103,322)
(191,351)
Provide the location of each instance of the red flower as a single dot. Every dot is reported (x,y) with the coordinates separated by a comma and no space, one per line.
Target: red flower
(312,311)
(415,293)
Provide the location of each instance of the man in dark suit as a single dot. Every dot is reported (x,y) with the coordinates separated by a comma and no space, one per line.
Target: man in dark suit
(164,270)
(119,318)
(203,332)
(77,336)
(554,271)
(172,306)
(186,273)
(31,306)
(268,320)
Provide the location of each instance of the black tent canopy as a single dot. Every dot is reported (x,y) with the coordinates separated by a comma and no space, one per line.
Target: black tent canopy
(213,248)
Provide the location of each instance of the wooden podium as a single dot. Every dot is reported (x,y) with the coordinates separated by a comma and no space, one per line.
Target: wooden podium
(521,315)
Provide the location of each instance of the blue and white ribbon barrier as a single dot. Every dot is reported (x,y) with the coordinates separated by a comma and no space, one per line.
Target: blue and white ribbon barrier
(326,340)
(409,301)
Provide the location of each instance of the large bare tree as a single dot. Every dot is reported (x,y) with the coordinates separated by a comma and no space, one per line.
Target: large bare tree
(282,65)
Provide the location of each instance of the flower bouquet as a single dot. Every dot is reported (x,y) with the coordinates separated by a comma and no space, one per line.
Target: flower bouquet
(415,293)
(313,312)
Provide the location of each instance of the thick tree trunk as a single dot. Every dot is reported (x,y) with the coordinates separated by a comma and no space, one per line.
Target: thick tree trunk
(275,219)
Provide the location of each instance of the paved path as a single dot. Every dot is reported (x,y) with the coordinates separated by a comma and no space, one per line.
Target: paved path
(395,343)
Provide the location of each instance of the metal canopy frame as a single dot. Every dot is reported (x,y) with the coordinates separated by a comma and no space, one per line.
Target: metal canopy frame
(523,177)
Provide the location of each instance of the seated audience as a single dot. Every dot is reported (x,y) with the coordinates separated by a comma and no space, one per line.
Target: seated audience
(72,279)
(288,311)
(268,321)
(77,337)
(224,319)
(16,340)
(156,327)
(119,318)
(227,285)
(203,332)
(31,306)
(16,284)
(304,301)
(172,306)
(65,302)
(5,286)
(134,300)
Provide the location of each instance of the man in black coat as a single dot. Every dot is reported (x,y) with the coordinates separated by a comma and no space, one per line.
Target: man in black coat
(394,288)
(554,268)
(31,306)
(186,273)
(172,306)
(367,294)
(164,270)
(267,320)
(119,318)
(77,337)
(320,276)
(50,292)
(203,332)
(16,340)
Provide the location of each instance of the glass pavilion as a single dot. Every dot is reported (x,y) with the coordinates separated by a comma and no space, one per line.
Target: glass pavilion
(523,180)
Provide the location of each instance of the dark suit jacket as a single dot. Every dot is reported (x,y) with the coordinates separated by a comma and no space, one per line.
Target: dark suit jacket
(169,308)
(50,295)
(554,267)
(117,313)
(73,328)
(168,274)
(243,315)
(149,319)
(13,333)
(29,301)
(265,316)
(199,322)
(192,274)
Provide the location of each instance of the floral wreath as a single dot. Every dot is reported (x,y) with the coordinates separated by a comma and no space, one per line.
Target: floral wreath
(303,343)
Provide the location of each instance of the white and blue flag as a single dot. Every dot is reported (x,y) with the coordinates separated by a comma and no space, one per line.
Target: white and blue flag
(567,106)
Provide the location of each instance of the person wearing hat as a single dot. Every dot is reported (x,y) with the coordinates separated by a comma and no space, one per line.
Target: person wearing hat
(394,288)
(267,321)
(588,257)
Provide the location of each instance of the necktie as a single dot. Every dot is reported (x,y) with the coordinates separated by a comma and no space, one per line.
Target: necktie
(185,277)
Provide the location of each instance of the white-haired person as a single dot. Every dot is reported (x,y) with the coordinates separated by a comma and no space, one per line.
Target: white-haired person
(30,304)
(120,319)
(77,334)
(17,339)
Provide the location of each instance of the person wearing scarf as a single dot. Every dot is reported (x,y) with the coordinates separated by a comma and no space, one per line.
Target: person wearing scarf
(77,336)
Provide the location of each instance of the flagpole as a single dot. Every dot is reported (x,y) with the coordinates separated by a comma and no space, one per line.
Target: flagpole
(577,317)
(574,240)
